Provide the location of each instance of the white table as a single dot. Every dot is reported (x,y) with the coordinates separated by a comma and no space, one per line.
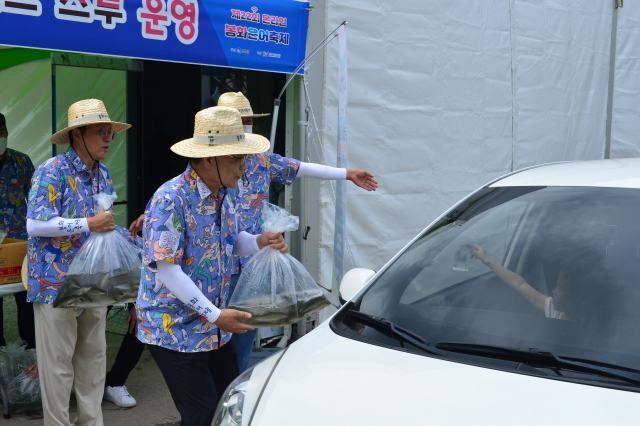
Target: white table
(8,289)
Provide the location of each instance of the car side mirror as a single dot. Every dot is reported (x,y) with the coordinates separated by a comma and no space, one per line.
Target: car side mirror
(354,281)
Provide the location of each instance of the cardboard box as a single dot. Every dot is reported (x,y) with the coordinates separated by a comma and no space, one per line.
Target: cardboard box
(12,253)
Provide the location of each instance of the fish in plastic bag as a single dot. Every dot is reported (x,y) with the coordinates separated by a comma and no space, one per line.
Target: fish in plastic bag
(274,287)
(24,389)
(105,271)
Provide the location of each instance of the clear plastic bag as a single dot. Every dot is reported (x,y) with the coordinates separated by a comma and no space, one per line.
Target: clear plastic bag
(24,389)
(105,271)
(14,359)
(275,288)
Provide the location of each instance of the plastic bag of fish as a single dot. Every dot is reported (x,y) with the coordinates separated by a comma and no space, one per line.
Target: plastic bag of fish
(106,269)
(14,359)
(275,288)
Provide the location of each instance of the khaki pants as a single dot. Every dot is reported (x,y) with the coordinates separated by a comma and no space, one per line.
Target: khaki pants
(72,351)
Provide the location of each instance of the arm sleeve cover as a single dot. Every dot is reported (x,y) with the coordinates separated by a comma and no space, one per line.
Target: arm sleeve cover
(178,283)
(318,171)
(56,227)
(246,244)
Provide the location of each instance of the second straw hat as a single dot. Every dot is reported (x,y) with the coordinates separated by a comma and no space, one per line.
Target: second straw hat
(218,131)
(84,113)
(239,102)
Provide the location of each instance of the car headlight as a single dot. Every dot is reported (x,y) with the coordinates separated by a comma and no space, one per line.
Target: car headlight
(239,401)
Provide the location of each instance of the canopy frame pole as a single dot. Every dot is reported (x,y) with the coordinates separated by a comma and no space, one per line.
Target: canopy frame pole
(276,102)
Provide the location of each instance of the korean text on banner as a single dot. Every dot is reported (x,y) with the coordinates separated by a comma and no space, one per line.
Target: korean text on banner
(269,35)
(341,186)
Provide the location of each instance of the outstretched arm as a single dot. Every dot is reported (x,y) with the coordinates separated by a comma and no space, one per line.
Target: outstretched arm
(361,178)
(514,280)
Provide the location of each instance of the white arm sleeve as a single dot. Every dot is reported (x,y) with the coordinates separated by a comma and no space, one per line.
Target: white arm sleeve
(318,171)
(246,244)
(56,227)
(178,283)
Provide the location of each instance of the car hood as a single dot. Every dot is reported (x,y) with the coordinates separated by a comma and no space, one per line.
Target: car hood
(325,379)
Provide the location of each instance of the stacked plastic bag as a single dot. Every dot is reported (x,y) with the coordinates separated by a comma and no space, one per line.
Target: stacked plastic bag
(275,288)
(105,271)
(22,389)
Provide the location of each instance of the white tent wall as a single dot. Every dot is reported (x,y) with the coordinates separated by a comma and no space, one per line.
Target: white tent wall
(625,127)
(446,96)
(561,59)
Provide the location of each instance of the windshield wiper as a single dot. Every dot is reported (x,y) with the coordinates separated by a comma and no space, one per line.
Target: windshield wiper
(544,357)
(388,327)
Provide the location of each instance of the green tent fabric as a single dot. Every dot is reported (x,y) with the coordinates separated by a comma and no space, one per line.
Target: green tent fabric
(25,94)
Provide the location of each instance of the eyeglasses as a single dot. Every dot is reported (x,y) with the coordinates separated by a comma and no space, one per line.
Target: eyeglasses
(242,159)
(105,133)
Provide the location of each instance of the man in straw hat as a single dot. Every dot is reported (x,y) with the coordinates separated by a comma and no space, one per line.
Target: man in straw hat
(191,232)
(262,169)
(61,213)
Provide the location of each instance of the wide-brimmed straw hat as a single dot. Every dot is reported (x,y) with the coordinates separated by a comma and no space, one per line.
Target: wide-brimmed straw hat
(218,131)
(239,102)
(84,113)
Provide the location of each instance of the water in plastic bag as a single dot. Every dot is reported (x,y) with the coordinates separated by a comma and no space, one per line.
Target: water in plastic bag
(105,271)
(275,288)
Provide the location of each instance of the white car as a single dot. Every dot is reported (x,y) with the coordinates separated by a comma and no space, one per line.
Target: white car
(519,306)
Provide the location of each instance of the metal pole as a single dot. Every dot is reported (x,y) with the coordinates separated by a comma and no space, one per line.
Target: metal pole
(53,107)
(274,123)
(612,71)
(276,103)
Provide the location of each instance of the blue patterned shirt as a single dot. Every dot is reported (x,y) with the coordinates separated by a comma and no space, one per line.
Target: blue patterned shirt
(185,224)
(261,170)
(15,180)
(62,186)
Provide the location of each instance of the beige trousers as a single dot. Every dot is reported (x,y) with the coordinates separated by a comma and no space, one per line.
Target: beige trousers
(72,351)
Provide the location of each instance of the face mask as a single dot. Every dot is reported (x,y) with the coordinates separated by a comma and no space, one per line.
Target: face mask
(3,145)
(248,129)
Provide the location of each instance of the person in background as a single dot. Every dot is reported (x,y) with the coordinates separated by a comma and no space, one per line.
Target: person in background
(16,171)
(262,170)
(128,356)
(71,344)
(191,232)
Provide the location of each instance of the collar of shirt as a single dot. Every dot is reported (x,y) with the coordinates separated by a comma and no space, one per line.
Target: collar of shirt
(203,190)
(8,169)
(77,162)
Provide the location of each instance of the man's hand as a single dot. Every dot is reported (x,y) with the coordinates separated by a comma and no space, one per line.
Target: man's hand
(228,321)
(33,368)
(101,222)
(136,226)
(275,241)
(132,319)
(362,178)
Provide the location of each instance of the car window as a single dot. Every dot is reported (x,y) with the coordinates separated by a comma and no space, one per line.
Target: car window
(576,252)
(494,230)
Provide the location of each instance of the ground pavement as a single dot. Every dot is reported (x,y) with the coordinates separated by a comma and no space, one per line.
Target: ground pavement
(155,406)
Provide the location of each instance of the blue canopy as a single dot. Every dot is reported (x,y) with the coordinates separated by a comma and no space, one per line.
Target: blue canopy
(267,35)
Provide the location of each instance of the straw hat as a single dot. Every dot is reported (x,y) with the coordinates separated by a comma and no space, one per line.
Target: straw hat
(239,102)
(84,113)
(218,131)
(25,272)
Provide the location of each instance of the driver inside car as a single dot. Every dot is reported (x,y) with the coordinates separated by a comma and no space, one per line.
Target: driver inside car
(580,290)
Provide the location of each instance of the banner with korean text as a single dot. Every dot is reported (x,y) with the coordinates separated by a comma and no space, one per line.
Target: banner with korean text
(269,35)
(339,238)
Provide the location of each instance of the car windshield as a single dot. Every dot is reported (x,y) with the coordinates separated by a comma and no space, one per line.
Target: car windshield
(551,268)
